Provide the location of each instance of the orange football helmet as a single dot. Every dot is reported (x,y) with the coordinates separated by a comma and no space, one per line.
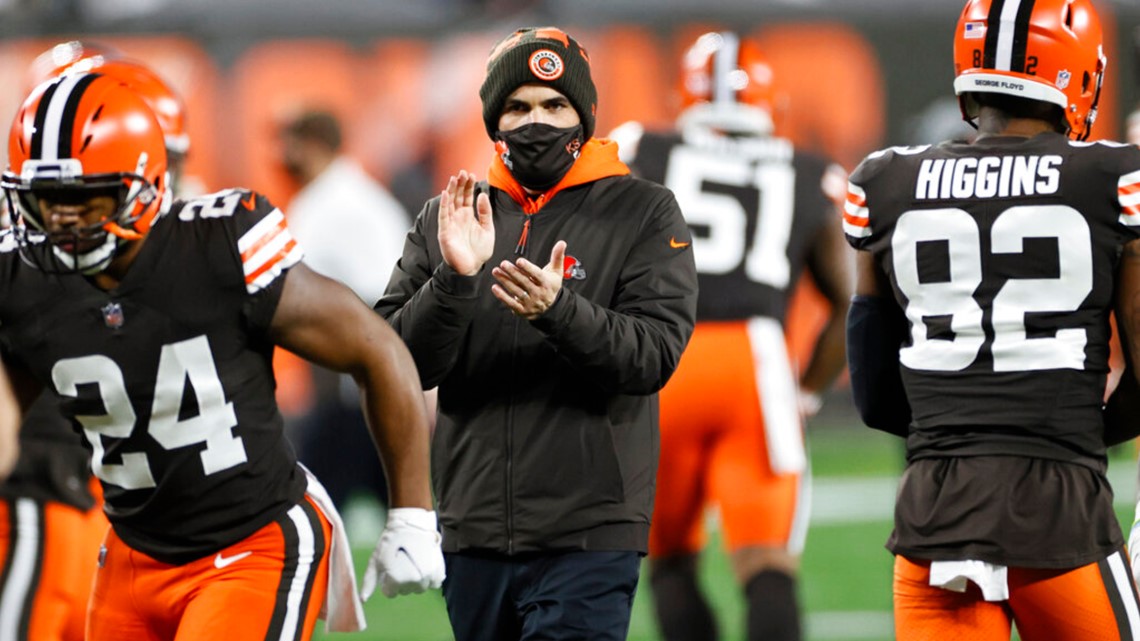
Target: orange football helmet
(727,84)
(78,56)
(1048,50)
(82,135)
(167,105)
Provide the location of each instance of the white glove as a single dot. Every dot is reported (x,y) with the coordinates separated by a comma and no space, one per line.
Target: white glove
(408,558)
(809,403)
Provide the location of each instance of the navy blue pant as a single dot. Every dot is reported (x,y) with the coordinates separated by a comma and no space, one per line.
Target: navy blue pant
(553,596)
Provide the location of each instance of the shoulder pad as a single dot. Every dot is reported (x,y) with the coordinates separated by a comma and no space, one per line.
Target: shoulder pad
(263,246)
(876,161)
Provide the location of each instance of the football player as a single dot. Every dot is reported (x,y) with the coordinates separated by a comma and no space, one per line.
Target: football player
(731,427)
(151,322)
(984,286)
(51,512)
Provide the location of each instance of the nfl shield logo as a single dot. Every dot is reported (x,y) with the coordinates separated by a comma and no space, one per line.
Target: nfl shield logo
(113,315)
(1063,79)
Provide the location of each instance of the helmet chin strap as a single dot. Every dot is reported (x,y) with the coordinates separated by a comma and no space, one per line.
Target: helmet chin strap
(90,262)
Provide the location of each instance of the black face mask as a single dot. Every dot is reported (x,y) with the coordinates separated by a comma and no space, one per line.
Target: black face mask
(539,155)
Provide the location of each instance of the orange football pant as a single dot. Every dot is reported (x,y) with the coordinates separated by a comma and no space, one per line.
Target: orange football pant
(715,445)
(1095,601)
(271,585)
(49,553)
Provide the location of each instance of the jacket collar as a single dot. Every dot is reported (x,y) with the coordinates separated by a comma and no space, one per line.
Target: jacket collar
(598,159)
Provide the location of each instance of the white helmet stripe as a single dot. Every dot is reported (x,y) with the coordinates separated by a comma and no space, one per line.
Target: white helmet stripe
(59,116)
(1007,28)
(725,62)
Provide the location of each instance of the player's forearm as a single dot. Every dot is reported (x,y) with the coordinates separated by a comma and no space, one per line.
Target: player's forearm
(829,357)
(1127,304)
(397,419)
(1122,412)
(9,427)
(403,448)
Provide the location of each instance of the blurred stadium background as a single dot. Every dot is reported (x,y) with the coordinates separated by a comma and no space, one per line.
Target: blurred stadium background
(403,76)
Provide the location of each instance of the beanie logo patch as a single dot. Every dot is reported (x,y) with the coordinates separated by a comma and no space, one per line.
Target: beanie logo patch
(546,65)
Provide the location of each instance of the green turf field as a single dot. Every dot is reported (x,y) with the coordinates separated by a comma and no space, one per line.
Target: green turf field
(846,579)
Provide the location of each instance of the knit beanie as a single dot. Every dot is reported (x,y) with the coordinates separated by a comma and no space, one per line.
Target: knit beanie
(544,55)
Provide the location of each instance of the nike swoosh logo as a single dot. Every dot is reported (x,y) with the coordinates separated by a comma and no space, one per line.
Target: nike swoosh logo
(223,561)
(251,203)
(408,556)
(676,245)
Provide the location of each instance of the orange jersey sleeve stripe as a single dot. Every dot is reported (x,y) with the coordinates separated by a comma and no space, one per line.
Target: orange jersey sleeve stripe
(274,261)
(266,250)
(856,216)
(266,238)
(1128,193)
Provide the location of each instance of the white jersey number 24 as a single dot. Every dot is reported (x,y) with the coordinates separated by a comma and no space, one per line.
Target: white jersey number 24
(186,360)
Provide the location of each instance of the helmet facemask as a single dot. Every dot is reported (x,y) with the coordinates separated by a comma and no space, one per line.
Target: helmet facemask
(84,248)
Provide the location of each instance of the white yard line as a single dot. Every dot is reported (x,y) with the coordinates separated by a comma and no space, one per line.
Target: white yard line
(837,500)
(865,499)
(850,625)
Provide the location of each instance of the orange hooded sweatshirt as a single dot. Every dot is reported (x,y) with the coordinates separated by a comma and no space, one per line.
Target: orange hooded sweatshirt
(598,159)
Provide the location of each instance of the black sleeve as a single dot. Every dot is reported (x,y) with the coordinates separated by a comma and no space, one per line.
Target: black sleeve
(875,330)
(1122,413)
(428,304)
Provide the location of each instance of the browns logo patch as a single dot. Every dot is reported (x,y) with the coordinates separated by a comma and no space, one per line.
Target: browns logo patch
(546,65)
(573,269)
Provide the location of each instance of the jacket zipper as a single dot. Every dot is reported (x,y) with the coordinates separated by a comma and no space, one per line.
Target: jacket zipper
(530,208)
(510,448)
(520,247)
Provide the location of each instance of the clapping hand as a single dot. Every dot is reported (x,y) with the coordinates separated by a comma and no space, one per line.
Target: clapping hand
(527,289)
(466,233)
